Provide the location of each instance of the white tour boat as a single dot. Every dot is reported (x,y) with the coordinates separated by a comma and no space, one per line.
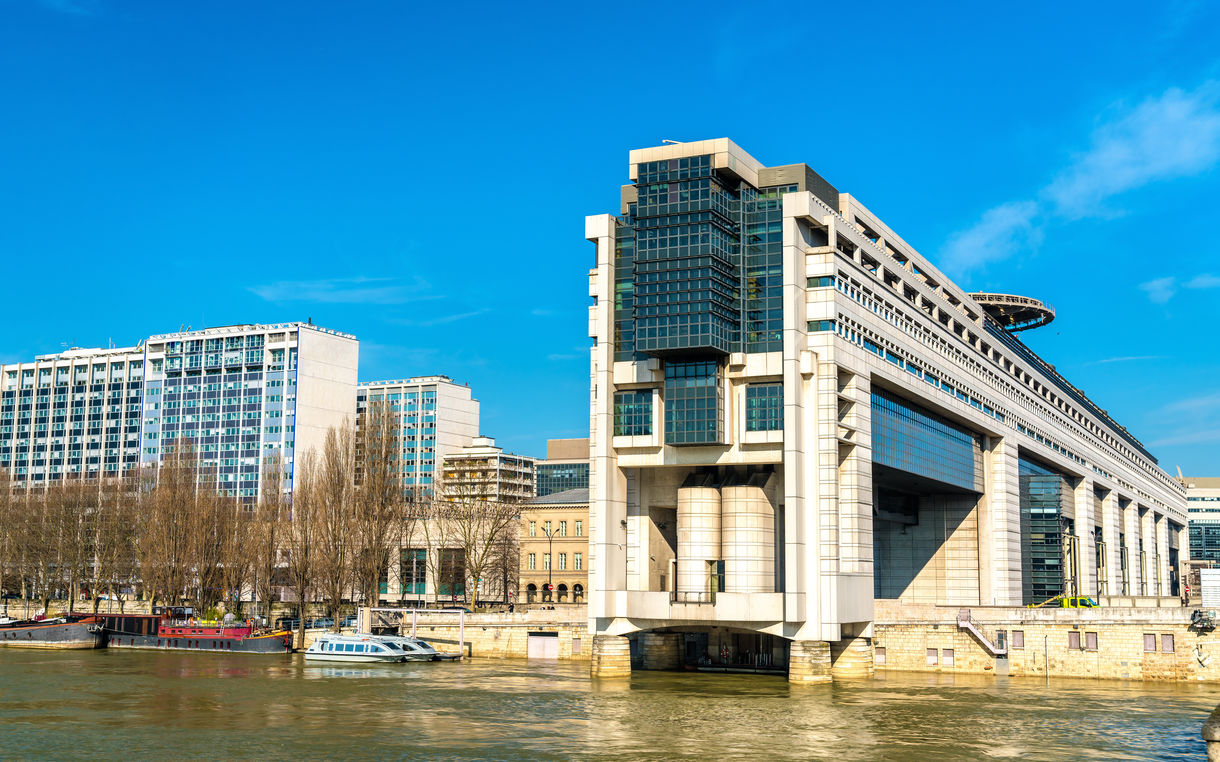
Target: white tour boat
(358,648)
(415,649)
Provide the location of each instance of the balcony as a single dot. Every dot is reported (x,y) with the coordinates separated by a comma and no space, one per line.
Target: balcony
(704,607)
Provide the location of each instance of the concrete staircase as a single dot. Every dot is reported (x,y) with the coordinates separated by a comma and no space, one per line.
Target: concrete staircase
(964,622)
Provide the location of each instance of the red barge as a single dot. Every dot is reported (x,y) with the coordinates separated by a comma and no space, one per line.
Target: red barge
(175,630)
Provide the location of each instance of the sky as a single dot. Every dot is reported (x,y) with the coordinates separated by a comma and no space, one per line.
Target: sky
(418,174)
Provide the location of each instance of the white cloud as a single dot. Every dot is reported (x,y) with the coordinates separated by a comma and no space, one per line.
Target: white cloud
(1130,358)
(359,290)
(1003,231)
(1176,134)
(1159,290)
(1206,280)
(1173,135)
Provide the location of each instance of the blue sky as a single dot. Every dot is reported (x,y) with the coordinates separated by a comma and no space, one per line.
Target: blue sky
(418,175)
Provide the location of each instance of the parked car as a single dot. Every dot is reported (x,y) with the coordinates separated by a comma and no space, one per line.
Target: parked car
(287,623)
(321,623)
(349,621)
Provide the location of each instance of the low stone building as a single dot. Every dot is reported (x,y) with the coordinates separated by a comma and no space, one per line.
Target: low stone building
(555,548)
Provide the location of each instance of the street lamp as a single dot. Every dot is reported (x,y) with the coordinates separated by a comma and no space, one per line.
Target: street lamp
(550,559)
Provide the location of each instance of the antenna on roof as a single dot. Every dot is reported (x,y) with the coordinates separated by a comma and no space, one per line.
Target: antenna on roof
(1180,477)
(667,141)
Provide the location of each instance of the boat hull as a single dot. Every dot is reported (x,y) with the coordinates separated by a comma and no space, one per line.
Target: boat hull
(71,635)
(264,644)
(352,657)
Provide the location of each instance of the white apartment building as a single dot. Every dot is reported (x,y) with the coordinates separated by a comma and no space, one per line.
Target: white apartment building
(436,416)
(485,472)
(794,413)
(236,395)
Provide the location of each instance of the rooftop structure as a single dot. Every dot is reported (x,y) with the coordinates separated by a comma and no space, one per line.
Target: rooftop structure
(485,472)
(566,466)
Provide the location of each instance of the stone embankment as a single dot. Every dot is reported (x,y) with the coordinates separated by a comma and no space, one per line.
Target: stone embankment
(1130,643)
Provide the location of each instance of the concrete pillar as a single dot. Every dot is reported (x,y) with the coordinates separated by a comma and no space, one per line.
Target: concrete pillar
(698,536)
(661,650)
(851,657)
(1211,734)
(1131,524)
(1111,520)
(1087,561)
(1002,585)
(611,657)
(1162,555)
(809,661)
(1148,537)
(748,539)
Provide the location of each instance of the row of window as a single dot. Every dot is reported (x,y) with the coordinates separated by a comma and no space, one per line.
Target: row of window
(562,531)
(577,561)
(1074,643)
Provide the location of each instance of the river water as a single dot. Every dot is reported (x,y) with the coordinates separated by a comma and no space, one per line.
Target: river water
(153,705)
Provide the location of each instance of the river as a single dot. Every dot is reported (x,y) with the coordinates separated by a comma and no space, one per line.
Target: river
(154,705)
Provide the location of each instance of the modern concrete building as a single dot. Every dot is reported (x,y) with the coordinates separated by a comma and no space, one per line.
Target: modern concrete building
(554,547)
(237,395)
(436,416)
(485,472)
(794,413)
(566,466)
(1203,517)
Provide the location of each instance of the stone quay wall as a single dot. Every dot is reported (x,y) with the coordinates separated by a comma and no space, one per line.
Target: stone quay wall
(1102,642)
(502,635)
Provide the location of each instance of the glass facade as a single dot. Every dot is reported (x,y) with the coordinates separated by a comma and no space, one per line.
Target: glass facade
(633,413)
(558,477)
(1044,496)
(1204,540)
(698,263)
(694,403)
(765,407)
(413,407)
(912,439)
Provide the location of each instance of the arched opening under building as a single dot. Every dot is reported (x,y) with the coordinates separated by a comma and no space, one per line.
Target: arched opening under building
(562,591)
(531,593)
(578,593)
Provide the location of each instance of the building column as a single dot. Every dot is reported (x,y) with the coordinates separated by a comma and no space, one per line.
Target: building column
(1003,498)
(1131,525)
(1086,562)
(1111,520)
(809,661)
(611,657)
(851,657)
(1148,543)
(1162,554)
(661,650)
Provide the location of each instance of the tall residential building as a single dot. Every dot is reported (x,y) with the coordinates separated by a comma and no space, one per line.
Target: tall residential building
(566,466)
(794,413)
(1203,515)
(236,395)
(435,415)
(485,472)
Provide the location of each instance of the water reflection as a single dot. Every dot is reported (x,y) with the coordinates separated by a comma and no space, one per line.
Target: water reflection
(161,704)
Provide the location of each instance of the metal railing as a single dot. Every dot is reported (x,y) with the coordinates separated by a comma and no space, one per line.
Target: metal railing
(699,597)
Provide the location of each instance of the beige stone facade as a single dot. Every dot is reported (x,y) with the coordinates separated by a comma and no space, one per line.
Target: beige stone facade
(554,548)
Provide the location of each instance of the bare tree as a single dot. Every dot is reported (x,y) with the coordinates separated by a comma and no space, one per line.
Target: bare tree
(336,501)
(9,505)
(114,551)
(301,537)
(165,519)
(479,528)
(380,516)
(436,527)
(267,533)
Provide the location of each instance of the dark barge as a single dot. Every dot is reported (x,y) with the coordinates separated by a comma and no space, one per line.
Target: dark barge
(170,629)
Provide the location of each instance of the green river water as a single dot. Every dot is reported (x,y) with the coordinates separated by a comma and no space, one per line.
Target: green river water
(153,705)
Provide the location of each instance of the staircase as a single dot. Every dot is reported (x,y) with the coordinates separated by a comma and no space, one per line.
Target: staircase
(964,622)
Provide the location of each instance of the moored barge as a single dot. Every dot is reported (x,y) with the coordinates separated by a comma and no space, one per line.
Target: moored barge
(167,631)
(65,633)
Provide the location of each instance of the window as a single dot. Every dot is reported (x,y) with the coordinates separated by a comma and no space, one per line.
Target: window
(765,407)
(633,413)
(946,655)
(820,282)
(533,529)
(1166,644)
(546,528)
(533,561)
(1074,641)
(563,529)
(578,561)
(931,657)
(1149,642)
(546,561)
(814,326)
(1090,641)
(563,561)
(580,528)
(879,656)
